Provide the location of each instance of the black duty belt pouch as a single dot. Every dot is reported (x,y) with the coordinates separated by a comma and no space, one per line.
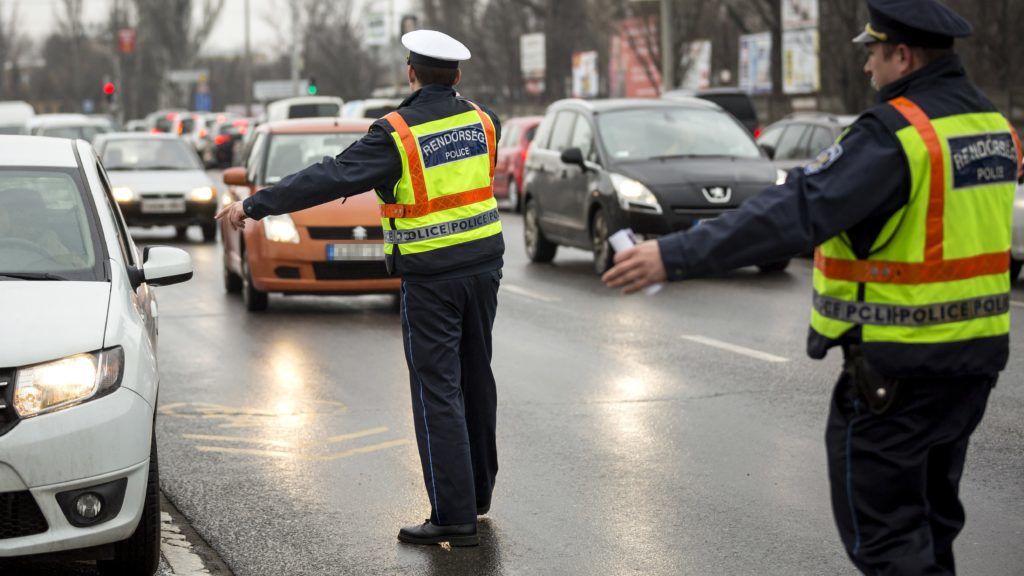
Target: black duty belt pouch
(877,391)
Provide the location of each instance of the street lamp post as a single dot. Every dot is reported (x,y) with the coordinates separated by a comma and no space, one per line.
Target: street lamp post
(668,68)
(248,65)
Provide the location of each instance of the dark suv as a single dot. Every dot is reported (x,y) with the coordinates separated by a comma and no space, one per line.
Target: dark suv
(656,166)
(798,138)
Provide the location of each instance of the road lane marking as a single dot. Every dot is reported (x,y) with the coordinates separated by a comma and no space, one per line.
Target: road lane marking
(1017,304)
(286,443)
(734,348)
(297,456)
(529,294)
(354,435)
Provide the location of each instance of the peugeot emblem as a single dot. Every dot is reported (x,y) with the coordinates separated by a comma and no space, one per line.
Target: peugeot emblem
(717,194)
(359,233)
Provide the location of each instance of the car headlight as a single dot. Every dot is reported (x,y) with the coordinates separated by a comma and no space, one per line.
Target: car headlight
(780,177)
(56,385)
(634,195)
(280,229)
(204,194)
(123,194)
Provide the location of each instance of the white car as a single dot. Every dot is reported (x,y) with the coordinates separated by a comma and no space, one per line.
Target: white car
(78,366)
(1017,251)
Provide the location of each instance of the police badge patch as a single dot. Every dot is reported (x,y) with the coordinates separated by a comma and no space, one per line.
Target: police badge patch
(827,158)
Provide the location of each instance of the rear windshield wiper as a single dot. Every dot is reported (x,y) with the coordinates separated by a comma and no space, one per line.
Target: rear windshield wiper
(31,276)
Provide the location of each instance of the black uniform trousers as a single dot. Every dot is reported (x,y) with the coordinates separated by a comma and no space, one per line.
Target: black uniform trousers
(895,477)
(446,326)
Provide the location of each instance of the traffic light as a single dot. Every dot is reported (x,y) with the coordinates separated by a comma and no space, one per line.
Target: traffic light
(311,89)
(108,90)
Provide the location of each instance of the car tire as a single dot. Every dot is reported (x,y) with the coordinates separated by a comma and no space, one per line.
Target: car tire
(139,555)
(599,242)
(774,267)
(1015,266)
(232,281)
(181,233)
(538,248)
(255,300)
(209,231)
(513,195)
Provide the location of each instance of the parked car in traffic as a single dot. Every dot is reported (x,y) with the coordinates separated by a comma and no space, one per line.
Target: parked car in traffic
(159,181)
(732,100)
(226,138)
(1017,251)
(370,108)
(193,128)
(332,248)
(163,120)
(656,166)
(73,126)
(78,362)
(14,114)
(798,138)
(305,107)
(516,135)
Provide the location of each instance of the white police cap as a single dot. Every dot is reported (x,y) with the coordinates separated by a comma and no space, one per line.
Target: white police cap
(433,48)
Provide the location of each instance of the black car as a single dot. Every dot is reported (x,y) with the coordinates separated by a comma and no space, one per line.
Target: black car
(798,138)
(656,166)
(732,100)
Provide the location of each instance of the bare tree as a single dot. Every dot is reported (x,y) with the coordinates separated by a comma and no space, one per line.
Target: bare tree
(13,46)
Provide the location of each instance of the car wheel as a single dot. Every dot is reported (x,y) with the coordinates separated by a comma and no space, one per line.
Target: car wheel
(209,231)
(538,248)
(599,242)
(255,300)
(232,281)
(513,195)
(181,233)
(1015,266)
(139,555)
(773,266)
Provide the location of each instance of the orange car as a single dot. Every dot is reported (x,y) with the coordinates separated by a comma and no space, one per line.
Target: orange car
(327,249)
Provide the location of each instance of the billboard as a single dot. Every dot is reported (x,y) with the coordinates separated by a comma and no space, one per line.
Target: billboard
(632,71)
(798,14)
(755,67)
(533,61)
(584,74)
(801,72)
(696,65)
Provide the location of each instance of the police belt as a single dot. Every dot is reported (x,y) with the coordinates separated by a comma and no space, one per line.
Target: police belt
(441,229)
(927,315)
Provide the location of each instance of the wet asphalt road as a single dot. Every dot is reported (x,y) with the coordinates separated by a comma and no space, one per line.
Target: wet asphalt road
(630,441)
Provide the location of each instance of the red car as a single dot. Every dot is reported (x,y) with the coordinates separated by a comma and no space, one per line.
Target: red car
(516,135)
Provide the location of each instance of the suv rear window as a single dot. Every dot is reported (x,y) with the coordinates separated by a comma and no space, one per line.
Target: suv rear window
(313,110)
(738,105)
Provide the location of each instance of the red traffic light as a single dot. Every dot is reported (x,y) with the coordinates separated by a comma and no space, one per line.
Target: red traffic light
(109,88)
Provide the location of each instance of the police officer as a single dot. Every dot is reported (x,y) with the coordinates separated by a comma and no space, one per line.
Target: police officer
(911,213)
(431,163)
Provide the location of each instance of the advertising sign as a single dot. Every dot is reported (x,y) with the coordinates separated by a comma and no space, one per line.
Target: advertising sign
(375,28)
(801,73)
(126,40)
(798,14)
(533,61)
(632,71)
(756,63)
(696,67)
(584,74)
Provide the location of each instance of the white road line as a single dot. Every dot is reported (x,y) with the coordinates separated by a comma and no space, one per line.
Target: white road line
(1017,304)
(734,348)
(529,293)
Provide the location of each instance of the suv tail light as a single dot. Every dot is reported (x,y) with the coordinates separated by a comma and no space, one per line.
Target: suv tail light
(221,139)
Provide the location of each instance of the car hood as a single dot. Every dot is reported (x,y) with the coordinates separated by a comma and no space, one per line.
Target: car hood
(160,180)
(360,210)
(46,320)
(679,181)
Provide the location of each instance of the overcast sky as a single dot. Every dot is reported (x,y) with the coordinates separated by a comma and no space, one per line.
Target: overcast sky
(37,18)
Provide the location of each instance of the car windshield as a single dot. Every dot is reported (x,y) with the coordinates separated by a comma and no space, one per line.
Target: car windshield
(290,153)
(649,133)
(88,132)
(149,154)
(313,110)
(45,229)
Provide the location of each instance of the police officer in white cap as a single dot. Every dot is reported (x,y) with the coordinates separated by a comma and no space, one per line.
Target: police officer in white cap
(431,163)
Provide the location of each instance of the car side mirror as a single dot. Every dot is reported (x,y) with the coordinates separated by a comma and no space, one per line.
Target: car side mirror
(768,150)
(163,266)
(236,176)
(574,156)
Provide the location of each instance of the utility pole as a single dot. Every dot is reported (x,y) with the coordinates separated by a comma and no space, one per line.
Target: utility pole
(295,47)
(668,67)
(248,65)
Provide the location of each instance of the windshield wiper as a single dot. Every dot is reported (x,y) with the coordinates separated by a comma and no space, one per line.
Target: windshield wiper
(677,156)
(163,168)
(31,276)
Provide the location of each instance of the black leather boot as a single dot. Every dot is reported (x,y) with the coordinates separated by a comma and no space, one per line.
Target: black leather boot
(427,533)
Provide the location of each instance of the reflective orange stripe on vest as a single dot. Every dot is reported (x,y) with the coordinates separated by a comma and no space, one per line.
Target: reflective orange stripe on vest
(937,182)
(424,205)
(912,273)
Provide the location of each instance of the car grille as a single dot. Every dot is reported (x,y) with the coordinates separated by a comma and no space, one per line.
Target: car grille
(160,195)
(350,270)
(20,515)
(8,417)
(344,232)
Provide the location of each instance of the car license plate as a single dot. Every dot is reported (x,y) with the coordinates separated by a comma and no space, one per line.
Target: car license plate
(163,206)
(355,251)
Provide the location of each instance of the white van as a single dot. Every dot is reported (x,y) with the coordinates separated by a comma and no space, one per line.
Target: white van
(14,114)
(305,107)
(370,108)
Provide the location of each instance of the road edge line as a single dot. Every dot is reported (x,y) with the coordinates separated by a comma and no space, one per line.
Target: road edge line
(199,551)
